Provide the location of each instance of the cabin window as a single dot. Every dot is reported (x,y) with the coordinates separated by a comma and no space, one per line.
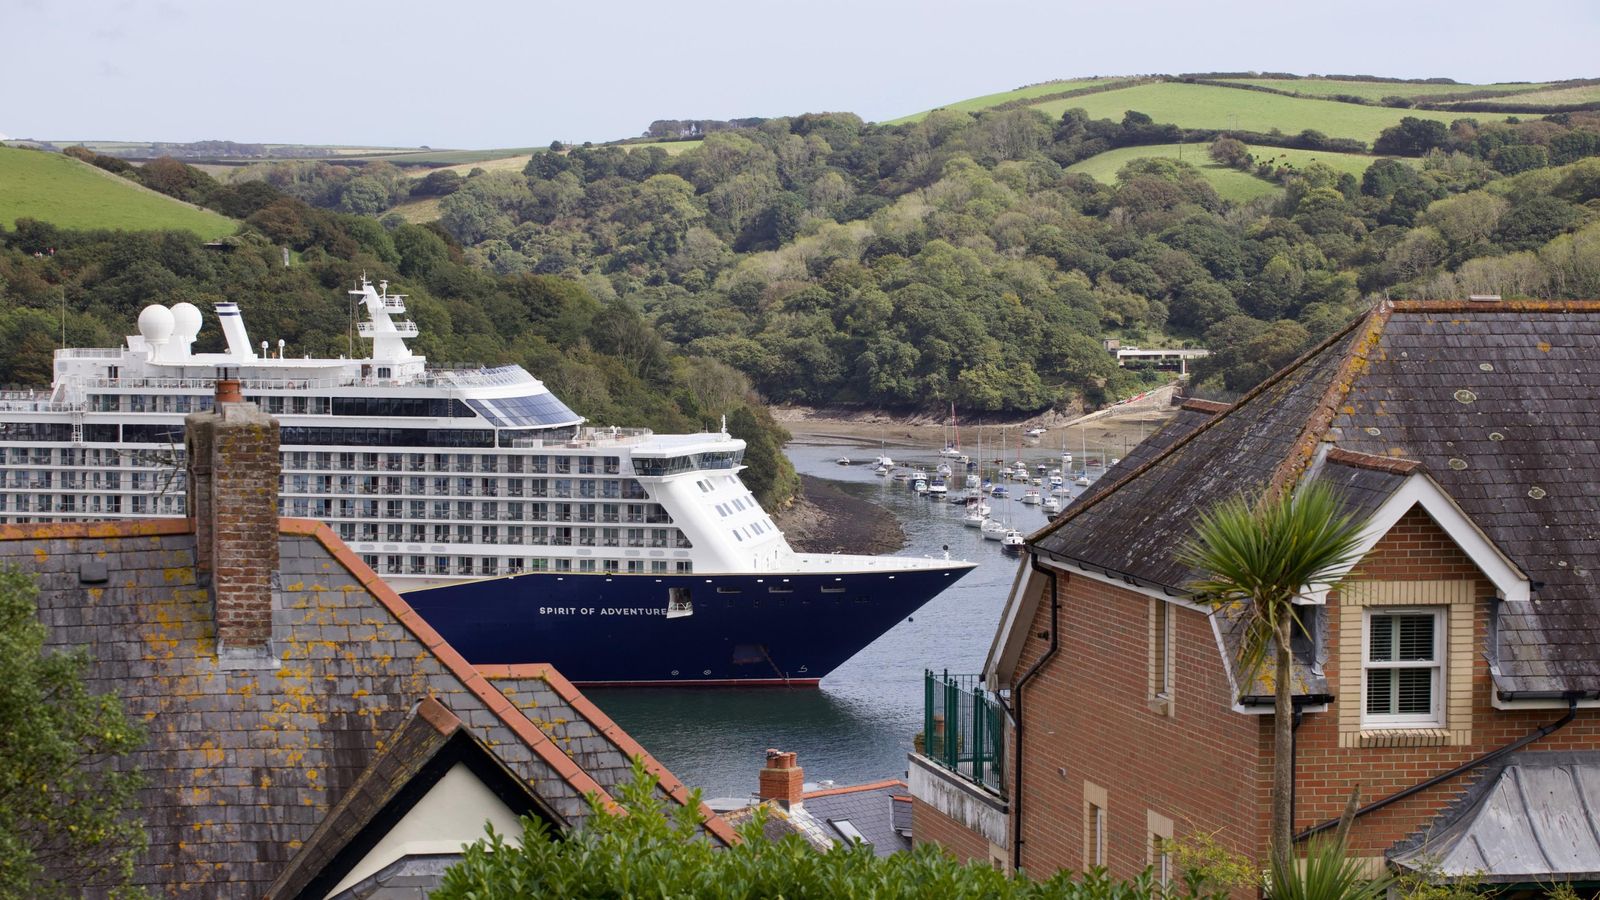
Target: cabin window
(1402,666)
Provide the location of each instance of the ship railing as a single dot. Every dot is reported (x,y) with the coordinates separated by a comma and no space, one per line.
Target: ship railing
(89,353)
(962,728)
(207,384)
(479,376)
(42,406)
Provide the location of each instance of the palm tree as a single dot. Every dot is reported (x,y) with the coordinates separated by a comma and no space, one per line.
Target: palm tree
(1258,557)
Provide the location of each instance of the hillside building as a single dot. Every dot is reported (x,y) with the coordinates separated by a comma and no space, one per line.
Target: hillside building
(1452,678)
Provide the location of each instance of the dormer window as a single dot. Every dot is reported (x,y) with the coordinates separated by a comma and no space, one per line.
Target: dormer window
(1402,668)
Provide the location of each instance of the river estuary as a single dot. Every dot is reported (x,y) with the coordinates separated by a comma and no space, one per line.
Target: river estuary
(858,725)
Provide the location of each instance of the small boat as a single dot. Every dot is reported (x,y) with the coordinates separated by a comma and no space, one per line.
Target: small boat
(993,531)
(883,461)
(1115,460)
(998,490)
(1030,497)
(937,489)
(950,450)
(1038,482)
(1034,432)
(943,470)
(881,471)
(974,518)
(1041,468)
(1012,542)
(1081,480)
(1052,504)
(843,460)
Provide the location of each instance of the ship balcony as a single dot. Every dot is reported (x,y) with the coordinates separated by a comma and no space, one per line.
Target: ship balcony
(396,329)
(395,303)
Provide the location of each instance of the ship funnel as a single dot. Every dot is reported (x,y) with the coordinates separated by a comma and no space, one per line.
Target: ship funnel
(233,330)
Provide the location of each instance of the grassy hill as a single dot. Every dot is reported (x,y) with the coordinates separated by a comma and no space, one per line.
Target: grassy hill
(1230,184)
(1206,106)
(1377,90)
(72,194)
(988,101)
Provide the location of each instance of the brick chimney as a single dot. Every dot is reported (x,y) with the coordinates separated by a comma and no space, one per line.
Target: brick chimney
(233,500)
(782,780)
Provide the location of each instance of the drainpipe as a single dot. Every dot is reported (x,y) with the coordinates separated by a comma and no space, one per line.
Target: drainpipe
(1491,756)
(1294,753)
(1016,704)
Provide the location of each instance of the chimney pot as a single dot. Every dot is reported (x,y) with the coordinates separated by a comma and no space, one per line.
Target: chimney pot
(782,779)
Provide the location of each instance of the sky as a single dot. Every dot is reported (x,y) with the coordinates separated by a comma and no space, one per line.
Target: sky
(500,73)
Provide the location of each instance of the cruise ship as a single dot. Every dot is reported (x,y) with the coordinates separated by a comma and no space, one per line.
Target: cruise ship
(517,530)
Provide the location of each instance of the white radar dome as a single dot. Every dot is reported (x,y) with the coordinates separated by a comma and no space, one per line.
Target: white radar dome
(156,324)
(185,321)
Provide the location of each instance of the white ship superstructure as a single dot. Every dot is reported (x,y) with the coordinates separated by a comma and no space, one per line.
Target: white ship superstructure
(432,475)
(522,533)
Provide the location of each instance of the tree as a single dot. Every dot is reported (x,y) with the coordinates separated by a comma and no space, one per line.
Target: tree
(648,852)
(1257,558)
(65,811)
(1412,137)
(1231,152)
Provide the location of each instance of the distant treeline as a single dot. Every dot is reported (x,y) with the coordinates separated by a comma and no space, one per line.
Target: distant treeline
(598,353)
(688,129)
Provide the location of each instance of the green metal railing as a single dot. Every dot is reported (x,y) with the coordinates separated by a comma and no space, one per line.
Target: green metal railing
(963,728)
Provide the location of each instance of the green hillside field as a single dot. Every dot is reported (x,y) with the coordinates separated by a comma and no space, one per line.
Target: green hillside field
(1377,90)
(61,190)
(988,100)
(1559,96)
(1230,184)
(1205,106)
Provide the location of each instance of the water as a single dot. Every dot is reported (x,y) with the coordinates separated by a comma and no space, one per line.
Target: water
(858,725)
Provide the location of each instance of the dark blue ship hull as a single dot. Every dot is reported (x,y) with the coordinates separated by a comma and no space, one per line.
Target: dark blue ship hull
(737,629)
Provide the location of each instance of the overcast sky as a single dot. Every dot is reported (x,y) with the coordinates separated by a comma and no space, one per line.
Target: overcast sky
(482,73)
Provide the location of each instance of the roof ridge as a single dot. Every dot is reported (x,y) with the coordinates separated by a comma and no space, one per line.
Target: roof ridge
(1196,404)
(853,789)
(1397,465)
(609,729)
(1288,471)
(1497,306)
(1077,509)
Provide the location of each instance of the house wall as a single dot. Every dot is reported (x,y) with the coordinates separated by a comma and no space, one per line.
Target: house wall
(929,826)
(1331,760)
(1091,730)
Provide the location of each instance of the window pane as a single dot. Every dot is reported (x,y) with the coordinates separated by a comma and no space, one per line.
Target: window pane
(1415,691)
(1380,642)
(1416,637)
(1380,690)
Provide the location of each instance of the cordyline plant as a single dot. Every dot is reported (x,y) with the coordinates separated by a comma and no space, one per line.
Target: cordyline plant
(1258,557)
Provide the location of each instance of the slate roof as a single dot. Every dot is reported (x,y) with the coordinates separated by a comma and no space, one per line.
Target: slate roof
(1532,821)
(409,760)
(1494,401)
(869,807)
(244,763)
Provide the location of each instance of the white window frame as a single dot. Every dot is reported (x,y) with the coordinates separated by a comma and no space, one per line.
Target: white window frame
(1439,665)
(1160,650)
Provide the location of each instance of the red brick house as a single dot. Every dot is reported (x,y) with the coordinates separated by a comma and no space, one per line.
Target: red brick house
(1453,676)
